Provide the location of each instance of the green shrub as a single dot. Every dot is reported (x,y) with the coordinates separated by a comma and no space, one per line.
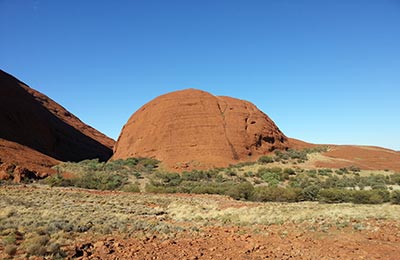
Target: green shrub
(317,149)
(289,171)
(135,161)
(167,179)
(138,175)
(275,169)
(366,197)
(324,172)
(378,186)
(265,159)
(295,154)
(149,163)
(248,174)
(385,194)
(395,197)
(99,181)
(271,178)
(160,189)
(92,165)
(395,178)
(241,191)
(10,239)
(133,187)
(303,180)
(276,194)
(242,164)
(354,196)
(333,182)
(58,180)
(334,195)
(310,193)
(196,175)
(220,178)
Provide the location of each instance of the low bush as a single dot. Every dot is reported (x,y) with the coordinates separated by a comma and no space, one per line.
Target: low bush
(276,194)
(241,191)
(296,154)
(289,171)
(324,172)
(310,193)
(280,156)
(58,180)
(366,197)
(395,197)
(334,195)
(132,187)
(160,189)
(265,159)
(354,196)
(167,179)
(99,181)
(90,180)
(195,176)
(272,175)
(209,188)
(395,178)
(273,179)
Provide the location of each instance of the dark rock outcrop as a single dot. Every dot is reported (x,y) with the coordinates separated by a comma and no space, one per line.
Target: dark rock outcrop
(30,118)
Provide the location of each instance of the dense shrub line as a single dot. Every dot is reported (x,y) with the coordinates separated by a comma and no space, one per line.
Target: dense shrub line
(113,175)
(300,190)
(278,184)
(246,191)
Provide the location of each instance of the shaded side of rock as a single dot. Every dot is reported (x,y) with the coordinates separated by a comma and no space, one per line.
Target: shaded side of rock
(31,119)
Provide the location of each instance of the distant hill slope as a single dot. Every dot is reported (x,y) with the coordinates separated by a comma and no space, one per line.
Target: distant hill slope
(31,119)
(364,157)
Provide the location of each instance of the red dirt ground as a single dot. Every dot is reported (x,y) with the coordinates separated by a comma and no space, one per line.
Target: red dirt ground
(273,242)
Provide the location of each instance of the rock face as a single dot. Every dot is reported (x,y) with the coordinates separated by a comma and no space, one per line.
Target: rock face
(13,155)
(192,128)
(37,132)
(32,119)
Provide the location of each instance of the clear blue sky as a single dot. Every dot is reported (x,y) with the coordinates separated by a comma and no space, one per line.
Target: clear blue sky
(324,71)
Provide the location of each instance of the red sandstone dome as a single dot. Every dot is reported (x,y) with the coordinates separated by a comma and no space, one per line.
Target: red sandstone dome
(193,128)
